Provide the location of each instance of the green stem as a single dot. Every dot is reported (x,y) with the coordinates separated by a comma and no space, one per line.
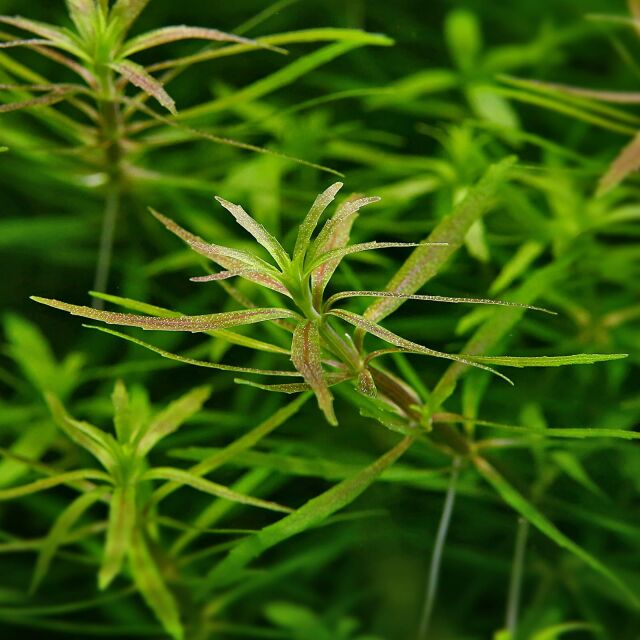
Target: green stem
(515,583)
(103,266)
(436,558)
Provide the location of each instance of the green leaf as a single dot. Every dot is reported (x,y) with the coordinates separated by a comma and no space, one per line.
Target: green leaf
(527,510)
(305,355)
(548,361)
(152,587)
(311,514)
(42,101)
(244,442)
(342,295)
(285,76)
(56,37)
(122,518)
(462,32)
(625,163)
(88,436)
(195,324)
(138,76)
(555,631)
(127,11)
(152,310)
(310,222)
(425,262)
(412,347)
(338,254)
(172,418)
(59,532)
(69,478)
(252,267)
(166,35)
(193,361)
(267,240)
(121,412)
(194,481)
(83,13)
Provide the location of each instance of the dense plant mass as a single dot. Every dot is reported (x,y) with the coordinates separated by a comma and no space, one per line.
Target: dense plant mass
(487,491)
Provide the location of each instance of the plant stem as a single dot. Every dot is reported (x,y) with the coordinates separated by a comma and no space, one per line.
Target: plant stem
(103,266)
(515,583)
(436,558)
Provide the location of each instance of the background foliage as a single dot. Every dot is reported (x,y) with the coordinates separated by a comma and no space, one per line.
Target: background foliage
(415,117)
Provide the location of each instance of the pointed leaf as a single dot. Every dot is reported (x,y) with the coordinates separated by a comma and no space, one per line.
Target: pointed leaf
(390,294)
(625,163)
(311,220)
(425,262)
(548,361)
(152,310)
(267,240)
(127,11)
(167,35)
(121,412)
(138,76)
(336,238)
(56,37)
(253,268)
(41,101)
(305,355)
(122,518)
(195,324)
(193,361)
(152,587)
(406,345)
(338,254)
(527,510)
(83,13)
(59,532)
(89,437)
(244,442)
(69,478)
(311,514)
(213,488)
(347,210)
(172,418)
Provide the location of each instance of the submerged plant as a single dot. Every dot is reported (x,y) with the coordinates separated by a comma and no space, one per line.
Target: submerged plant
(321,353)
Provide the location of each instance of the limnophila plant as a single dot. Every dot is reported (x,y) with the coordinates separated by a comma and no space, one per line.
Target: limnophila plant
(99,133)
(325,354)
(123,485)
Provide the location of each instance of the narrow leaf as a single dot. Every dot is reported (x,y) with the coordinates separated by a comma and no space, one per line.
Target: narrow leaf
(311,514)
(193,361)
(172,418)
(56,37)
(548,361)
(244,442)
(306,357)
(625,163)
(338,254)
(122,517)
(406,345)
(138,76)
(267,240)
(88,436)
(152,310)
(127,11)
(152,587)
(83,14)
(527,510)
(253,268)
(60,531)
(121,412)
(48,483)
(347,210)
(167,35)
(182,477)
(311,220)
(425,262)
(390,294)
(195,324)
(41,101)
